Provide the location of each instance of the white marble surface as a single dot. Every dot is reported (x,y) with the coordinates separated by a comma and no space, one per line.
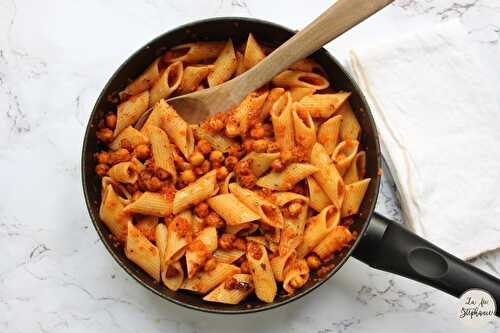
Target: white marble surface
(56,276)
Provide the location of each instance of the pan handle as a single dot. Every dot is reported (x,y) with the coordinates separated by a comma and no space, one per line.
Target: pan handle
(390,247)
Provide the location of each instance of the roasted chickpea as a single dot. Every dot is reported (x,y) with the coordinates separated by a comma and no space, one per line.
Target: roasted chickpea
(215,125)
(286,157)
(226,241)
(216,156)
(120,155)
(214,220)
(142,152)
(297,282)
(232,130)
(260,146)
(268,130)
(247,181)
(111,120)
(196,158)
(188,176)
(248,145)
(201,209)
(210,265)
(204,147)
(295,208)
(205,166)
(154,184)
(257,132)
(105,135)
(240,244)
(161,174)
(221,173)
(277,165)
(132,188)
(103,157)
(125,144)
(101,169)
(273,147)
(313,261)
(230,162)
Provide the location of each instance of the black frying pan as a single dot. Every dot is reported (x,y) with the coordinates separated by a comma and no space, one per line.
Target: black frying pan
(382,244)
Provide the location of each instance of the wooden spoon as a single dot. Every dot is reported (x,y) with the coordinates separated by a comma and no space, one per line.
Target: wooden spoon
(343,15)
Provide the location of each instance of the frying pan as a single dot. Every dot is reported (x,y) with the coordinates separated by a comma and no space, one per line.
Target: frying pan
(381,244)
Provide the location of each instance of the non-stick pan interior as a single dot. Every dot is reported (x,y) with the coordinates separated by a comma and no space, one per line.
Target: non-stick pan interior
(221,29)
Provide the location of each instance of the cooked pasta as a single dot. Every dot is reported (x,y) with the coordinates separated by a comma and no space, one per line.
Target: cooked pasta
(251,201)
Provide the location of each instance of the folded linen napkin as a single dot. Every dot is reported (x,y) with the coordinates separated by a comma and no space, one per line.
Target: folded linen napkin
(438,118)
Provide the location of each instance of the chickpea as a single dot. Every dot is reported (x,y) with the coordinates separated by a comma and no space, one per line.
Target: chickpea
(232,130)
(268,130)
(161,174)
(221,173)
(216,156)
(205,166)
(277,165)
(257,132)
(154,184)
(272,147)
(214,220)
(125,144)
(245,267)
(226,241)
(201,209)
(142,152)
(286,157)
(204,147)
(120,155)
(188,176)
(240,244)
(136,195)
(247,181)
(198,171)
(101,169)
(132,188)
(260,146)
(294,209)
(210,265)
(105,135)
(215,125)
(248,145)
(230,162)
(313,261)
(103,157)
(196,158)
(111,120)
(297,282)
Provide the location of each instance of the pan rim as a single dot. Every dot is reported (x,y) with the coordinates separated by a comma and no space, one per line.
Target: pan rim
(127,269)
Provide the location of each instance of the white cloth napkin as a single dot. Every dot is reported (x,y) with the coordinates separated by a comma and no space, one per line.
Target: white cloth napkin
(438,117)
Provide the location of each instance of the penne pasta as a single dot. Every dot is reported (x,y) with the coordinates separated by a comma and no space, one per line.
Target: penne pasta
(304,128)
(248,109)
(150,203)
(133,136)
(242,229)
(317,197)
(200,250)
(231,209)
(179,236)
(112,213)
(240,68)
(350,127)
(147,226)
(120,190)
(328,133)
(232,295)
(162,150)
(307,65)
(261,162)
(192,77)
(129,111)
(354,194)
(282,120)
(202,189)
(262,273)
(272,97)
(268,212)
(279,263)
(225,186)
(228,256)
(253,52)
(142,252)
(224,66)
(335,241)
(296,275)
(178,130)
(167,83)
(285,180)
(290,79)
(154,117)
(344,154)
(143,82)
(194,52)
(318,227)
(161,236)
(324,105)
(357,169)
(217,141)
(173,276)
(204,282)
(327,177)
(124,172)
(298,93)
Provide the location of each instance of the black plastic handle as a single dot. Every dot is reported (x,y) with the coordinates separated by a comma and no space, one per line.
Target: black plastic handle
(390,247)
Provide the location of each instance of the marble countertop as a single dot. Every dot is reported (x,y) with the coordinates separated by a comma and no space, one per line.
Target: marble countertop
(56,276)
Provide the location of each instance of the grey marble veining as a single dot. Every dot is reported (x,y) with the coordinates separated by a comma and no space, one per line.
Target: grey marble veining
(55,275)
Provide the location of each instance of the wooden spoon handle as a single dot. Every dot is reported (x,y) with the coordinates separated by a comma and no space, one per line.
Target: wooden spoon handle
(336,20)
